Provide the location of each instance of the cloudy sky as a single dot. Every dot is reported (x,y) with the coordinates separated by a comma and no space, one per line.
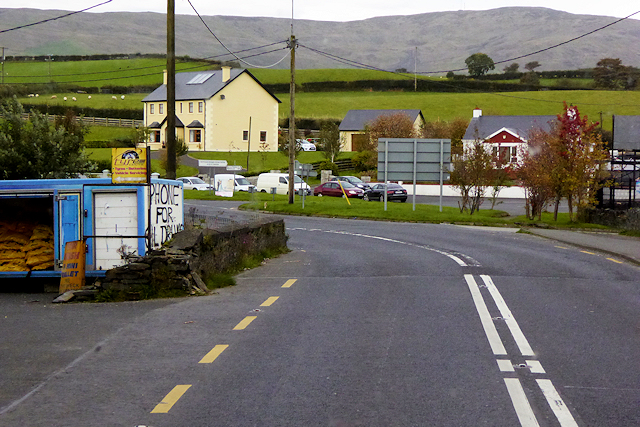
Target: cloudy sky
(335,10)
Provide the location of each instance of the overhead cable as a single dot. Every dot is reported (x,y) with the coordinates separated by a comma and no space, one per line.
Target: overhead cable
(54,19)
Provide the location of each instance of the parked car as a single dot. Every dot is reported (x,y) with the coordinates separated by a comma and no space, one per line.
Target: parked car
(332,188)
(280,181)
(194,183)
(241,183)
(353,180)
(394,192)
(306,145)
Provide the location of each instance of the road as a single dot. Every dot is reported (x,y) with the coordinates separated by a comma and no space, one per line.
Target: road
(363,323)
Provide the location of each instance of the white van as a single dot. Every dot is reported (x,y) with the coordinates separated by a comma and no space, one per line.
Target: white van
(241,183)
(267,181)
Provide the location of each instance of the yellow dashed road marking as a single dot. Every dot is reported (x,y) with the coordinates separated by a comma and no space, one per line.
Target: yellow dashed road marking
(244,323)
(269,301)
(587,252)
(615,260)
(170,399)
(213,354)
(288,283)
(561,247)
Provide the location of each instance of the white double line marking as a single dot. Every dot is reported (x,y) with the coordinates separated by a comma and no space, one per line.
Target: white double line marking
(519,399)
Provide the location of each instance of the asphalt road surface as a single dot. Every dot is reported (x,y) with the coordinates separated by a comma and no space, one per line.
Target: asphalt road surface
(363,323)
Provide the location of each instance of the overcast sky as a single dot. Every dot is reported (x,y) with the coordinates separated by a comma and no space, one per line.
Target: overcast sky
(335,10)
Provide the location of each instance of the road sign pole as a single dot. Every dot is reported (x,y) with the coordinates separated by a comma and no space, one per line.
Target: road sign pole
(415,168)
(441,170)
(386,171)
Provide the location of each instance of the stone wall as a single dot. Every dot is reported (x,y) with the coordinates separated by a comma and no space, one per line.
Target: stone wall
(623,219)
(193,255)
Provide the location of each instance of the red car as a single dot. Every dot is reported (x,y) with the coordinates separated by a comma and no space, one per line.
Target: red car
(332,188)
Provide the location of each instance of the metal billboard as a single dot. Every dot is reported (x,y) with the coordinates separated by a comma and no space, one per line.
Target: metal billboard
(414,160)
(409,159)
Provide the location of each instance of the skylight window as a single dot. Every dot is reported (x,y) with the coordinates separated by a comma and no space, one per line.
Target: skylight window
(200,78)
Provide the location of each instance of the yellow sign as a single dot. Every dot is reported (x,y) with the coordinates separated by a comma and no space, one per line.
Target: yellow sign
(128,165)
(72,276)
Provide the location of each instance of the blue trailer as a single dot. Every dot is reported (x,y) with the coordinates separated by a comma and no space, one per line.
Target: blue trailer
(41,216)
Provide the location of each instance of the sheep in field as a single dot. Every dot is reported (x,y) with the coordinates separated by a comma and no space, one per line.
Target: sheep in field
(122,97)
(113,97)
(73,98)
(54,97)
(64,99)
(89,97)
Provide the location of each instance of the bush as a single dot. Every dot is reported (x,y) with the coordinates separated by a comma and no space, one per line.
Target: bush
(365,161)
(329,165)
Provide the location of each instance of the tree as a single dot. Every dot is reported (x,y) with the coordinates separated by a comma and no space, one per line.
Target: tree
(511,69)
(611,74)
(35,149)
(396,125)
(479,64)
(330,140)
(453,130)
(471,173)
(530,66)
(566,162)
(530,78)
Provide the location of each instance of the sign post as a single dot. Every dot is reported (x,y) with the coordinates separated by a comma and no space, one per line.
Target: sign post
(212,164)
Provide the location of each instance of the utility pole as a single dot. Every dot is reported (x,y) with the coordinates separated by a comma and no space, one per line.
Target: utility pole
(415,71)
(3,64)
(50,59)
(292,117)
(171,90)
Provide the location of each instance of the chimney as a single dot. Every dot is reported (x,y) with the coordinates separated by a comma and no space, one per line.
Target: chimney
(477,113)
(226,74)
(165,77)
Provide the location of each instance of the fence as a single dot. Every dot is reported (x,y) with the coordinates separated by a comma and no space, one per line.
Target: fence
(98,121)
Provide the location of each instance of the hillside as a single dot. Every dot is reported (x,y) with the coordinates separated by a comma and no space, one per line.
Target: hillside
(443,39)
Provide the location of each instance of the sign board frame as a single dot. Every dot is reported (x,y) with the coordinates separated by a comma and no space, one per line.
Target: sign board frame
(414,159)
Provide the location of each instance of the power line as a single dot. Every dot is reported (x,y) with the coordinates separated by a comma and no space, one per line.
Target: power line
(469,90)
(227,49)
(130,76)
(54,19)
(159,65)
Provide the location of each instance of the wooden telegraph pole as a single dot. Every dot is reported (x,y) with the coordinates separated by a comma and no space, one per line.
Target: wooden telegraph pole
(171,90)
(292,118)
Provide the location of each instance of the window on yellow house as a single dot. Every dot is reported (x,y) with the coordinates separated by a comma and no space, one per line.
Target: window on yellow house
(181,108)
(263,136)
(245,135)
(200,107)
(151,108)
(195,135)
(191,107)
(160,108)
(155,136)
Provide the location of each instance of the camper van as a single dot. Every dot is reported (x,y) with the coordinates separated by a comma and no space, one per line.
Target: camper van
(241,183)
(280,181)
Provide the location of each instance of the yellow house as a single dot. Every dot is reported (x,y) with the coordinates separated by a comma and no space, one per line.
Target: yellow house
(216,110)
(352,126)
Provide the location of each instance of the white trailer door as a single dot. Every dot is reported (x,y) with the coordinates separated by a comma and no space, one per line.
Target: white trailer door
(116,216)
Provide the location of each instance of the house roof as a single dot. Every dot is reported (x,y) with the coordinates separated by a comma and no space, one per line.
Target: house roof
(195,124)
(485,126)
(200,85)
(355,120)
(179,123)
(626,132)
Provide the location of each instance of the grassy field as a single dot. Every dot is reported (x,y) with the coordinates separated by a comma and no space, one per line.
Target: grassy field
(264,161)
(130,101)
(118,72)
(446,106)
(104,133)
(359,209)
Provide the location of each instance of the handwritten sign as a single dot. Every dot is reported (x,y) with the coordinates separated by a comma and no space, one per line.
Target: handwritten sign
(72,276)
(166,212)
(128,165)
